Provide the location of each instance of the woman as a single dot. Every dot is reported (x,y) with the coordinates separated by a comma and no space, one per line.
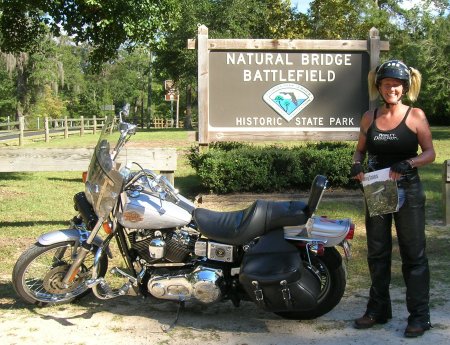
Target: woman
(391,135)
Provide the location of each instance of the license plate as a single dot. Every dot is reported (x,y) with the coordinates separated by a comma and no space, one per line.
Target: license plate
(347,249)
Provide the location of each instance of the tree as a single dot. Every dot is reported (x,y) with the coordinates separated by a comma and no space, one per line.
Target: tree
(33,72)
(106,25)
(435,64)
(49,105)
(343,19)
(426,48)
(224,19)
(37,56)
(7,99)
(127,82)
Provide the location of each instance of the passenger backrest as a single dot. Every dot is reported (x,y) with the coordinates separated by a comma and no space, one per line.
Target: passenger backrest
(318,186)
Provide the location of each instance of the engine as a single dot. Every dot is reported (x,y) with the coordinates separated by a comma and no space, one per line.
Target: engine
(152,245)
(170,249)
(202,284)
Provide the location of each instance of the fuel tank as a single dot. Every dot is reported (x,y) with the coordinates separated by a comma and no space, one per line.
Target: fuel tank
(146,211)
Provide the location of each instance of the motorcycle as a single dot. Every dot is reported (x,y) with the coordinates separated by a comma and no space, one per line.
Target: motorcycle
(278,254)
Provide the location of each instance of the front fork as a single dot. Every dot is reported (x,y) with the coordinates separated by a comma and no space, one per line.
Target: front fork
(85,248)
(98,284)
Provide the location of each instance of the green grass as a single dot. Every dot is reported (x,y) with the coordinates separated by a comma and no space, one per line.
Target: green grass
(35,203)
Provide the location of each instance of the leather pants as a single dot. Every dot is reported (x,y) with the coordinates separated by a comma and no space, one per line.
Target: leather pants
(410,227)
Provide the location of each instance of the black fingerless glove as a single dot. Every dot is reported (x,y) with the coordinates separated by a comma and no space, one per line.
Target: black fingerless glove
(356,169)
(401,167)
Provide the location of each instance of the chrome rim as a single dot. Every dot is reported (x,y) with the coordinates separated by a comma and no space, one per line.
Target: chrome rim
(42,279)
(323,275)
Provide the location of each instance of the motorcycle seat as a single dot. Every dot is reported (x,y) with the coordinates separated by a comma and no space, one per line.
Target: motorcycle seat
(242,226)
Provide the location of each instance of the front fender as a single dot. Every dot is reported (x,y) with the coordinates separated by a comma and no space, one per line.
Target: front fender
(66,235)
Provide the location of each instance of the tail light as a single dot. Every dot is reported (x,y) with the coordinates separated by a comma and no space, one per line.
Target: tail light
(84,176)
(351,232)
(320,249)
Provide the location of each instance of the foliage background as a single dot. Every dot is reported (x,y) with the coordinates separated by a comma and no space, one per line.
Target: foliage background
(70,57)
(229,167)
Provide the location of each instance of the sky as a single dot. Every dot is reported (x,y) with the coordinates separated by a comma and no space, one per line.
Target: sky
(301,5)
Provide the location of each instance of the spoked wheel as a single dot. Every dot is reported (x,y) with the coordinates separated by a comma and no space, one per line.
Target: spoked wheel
(39,271)
(330,272)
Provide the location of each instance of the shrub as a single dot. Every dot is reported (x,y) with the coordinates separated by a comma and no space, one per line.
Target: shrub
(237,167)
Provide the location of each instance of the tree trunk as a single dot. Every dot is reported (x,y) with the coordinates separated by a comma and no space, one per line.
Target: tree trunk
(188,115)
(142,112)
(135,111)
(21,84)
(149,91)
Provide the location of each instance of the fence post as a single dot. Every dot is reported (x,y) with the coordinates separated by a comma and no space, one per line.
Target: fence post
(94,131)
(374,51)
(47,130)
(82,126)
(21,129)
(446,191)
(203,85)
(66,128)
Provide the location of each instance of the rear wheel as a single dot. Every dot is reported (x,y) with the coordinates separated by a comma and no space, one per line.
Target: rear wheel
(39,271)
(330,271)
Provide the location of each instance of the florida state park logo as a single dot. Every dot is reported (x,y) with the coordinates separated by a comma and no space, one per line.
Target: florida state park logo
(288,99)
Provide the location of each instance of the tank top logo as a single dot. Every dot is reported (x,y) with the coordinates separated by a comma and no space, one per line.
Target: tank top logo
(385,137)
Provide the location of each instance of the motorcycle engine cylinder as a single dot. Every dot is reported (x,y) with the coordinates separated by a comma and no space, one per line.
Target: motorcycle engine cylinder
(157,248)
(179,245)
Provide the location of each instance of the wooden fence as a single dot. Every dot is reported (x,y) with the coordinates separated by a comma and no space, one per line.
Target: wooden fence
(66,126)
(52,127)
(163,160)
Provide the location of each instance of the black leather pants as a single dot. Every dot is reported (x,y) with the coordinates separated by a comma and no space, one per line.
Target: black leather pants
(410,226)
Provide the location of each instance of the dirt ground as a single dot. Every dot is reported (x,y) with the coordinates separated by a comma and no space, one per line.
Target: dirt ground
(132,320)
(135,321)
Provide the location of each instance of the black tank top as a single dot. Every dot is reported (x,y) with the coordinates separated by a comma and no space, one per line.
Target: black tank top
(388,147)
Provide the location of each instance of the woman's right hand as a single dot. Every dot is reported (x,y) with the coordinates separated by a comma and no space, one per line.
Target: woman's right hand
(357,171)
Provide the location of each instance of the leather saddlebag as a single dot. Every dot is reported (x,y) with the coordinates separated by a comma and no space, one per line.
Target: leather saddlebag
(273,276)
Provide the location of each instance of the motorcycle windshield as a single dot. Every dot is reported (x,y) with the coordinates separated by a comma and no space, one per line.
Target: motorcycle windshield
(104,182)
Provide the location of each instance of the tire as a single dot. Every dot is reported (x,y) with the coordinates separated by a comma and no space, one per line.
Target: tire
(38,273)
(330,270)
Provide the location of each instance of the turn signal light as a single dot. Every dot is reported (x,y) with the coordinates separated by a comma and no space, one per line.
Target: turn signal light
(84,176)
(351,232)
(107,227)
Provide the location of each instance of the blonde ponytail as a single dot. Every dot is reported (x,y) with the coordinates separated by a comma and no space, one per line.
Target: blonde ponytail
(414,88)
(416,81)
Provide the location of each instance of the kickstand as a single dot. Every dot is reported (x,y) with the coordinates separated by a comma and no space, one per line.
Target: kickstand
(180,308)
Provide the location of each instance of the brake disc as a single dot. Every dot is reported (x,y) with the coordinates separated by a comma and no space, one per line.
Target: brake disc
(53,280)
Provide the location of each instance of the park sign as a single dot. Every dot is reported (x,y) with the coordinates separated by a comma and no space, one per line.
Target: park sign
(283,89)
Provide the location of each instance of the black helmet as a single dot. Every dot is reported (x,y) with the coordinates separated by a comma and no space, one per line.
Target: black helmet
(394,69)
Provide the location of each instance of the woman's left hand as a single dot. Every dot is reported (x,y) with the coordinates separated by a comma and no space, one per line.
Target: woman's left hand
(398,169)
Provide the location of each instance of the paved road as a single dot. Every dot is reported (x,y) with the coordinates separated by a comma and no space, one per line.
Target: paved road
(9,135)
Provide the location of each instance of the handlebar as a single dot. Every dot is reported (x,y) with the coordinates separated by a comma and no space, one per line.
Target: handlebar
(156,183)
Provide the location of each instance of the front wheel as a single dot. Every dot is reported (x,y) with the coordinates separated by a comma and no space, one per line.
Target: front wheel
(330,271)
(39,271)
